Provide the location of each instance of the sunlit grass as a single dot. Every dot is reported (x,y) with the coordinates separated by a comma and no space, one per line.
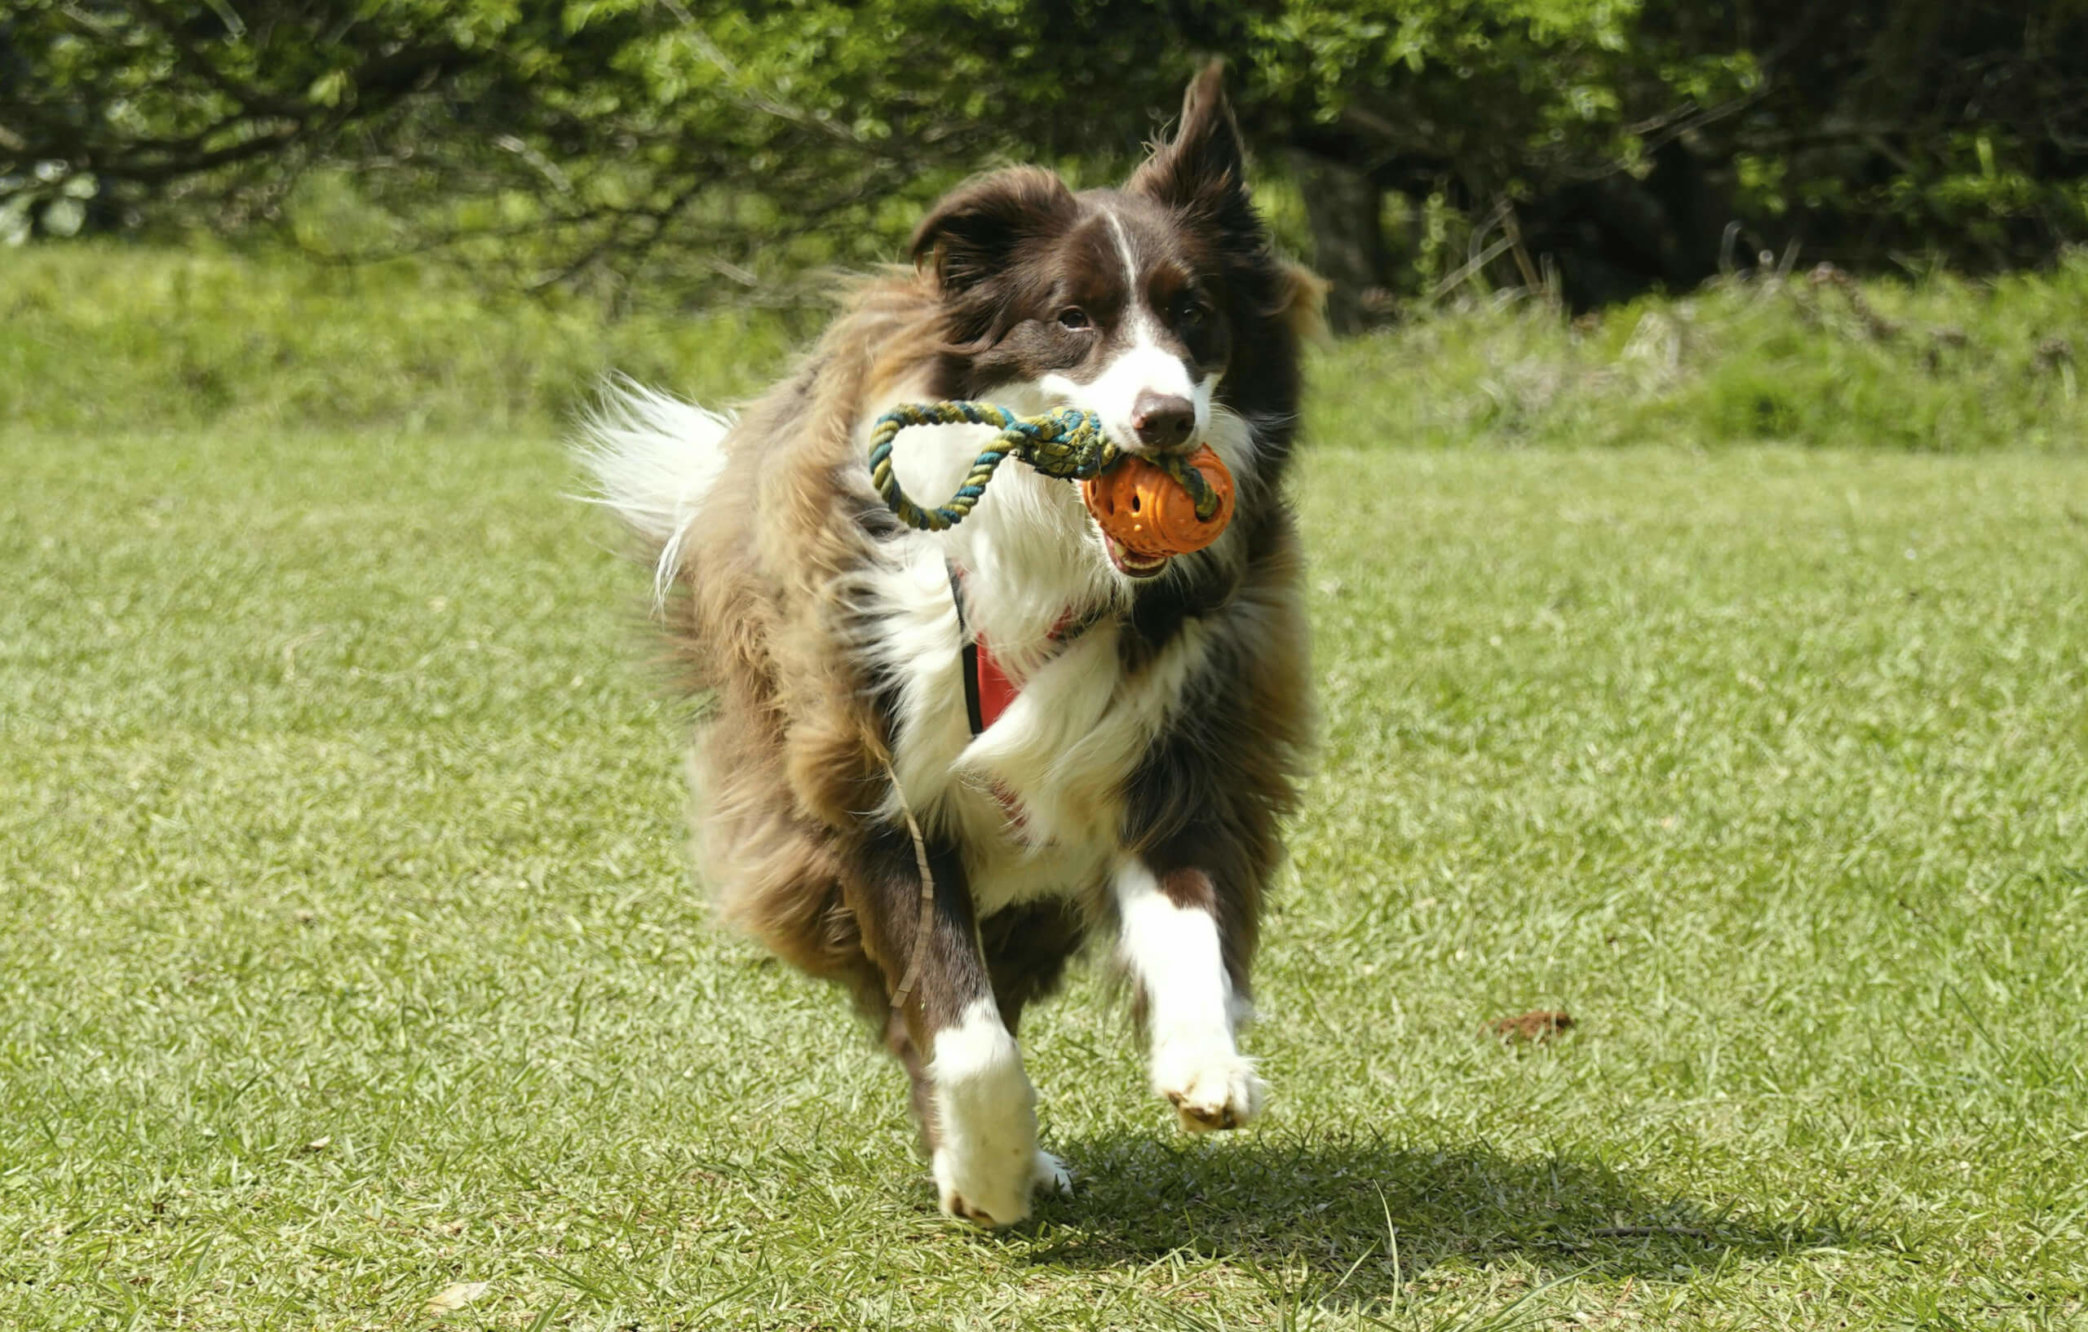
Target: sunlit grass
(346,952)
(100,337)
(1822,360)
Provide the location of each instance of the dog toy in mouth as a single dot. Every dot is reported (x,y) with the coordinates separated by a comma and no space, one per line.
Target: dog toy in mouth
(1150,513)
(1154,508)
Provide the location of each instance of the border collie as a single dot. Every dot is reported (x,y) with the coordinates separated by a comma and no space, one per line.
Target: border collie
(932,764)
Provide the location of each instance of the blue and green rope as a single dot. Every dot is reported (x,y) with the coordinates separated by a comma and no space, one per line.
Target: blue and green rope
(1067,443)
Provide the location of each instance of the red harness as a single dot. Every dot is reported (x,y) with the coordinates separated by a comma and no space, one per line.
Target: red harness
(987,689)
(988,692)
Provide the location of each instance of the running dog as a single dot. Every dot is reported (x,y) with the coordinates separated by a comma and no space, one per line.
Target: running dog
(932,764)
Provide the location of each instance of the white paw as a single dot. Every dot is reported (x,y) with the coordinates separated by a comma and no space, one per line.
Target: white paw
(986,1159)
(991,1196)
(986,1189)
(1049,1174)
(1210,1089)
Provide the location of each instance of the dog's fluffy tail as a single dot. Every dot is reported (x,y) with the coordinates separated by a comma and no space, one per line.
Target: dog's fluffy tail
(654,458)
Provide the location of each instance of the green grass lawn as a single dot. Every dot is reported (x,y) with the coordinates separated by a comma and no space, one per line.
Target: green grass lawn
(347,952)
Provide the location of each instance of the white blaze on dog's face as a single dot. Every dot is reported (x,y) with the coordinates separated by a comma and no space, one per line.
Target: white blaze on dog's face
(1152,347)
(1119,302)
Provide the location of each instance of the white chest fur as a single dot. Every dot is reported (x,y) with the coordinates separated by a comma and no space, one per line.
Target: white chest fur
(1035,802)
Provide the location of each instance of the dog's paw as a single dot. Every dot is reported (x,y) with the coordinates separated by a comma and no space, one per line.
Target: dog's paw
(986,1190)
(1210,1090)
(1049,1175)
(985,1113)
(996,1192)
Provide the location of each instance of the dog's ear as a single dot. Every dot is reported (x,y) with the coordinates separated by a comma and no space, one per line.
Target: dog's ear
(1203,167)
(971,234)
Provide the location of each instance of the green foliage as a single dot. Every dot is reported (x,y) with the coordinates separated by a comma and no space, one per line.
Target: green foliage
(1477,83)
(1943,365)
(563,143)
(109,337)
(673,150)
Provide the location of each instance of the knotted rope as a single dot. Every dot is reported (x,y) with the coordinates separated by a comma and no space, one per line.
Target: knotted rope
(1067,443)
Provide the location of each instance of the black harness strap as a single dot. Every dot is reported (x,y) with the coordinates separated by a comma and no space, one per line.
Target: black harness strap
(972,711)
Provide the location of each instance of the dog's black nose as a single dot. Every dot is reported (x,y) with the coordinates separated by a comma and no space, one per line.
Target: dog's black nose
(1163,420)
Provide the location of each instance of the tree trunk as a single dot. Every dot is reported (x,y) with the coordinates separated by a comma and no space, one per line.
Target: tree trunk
(1342,208)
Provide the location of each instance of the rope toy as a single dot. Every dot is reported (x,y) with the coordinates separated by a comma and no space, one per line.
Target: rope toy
(1127,495)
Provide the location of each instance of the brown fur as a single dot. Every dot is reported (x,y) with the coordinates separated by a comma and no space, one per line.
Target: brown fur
(792,753)
(793,748)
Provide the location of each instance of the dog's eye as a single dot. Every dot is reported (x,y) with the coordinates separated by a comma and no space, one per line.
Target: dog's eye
(1190,310)
(1074,317)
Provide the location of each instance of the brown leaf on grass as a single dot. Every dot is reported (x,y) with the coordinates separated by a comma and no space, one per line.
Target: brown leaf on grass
(1537,1025)
(452,1298)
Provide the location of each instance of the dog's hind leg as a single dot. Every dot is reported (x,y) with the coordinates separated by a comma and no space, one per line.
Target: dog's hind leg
(981,1117)
(1171,943)
(1027,948)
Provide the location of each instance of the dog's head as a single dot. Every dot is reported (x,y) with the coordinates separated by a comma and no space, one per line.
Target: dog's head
(1159,306)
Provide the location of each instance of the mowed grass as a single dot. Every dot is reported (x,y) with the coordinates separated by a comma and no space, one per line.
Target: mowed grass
(348,954)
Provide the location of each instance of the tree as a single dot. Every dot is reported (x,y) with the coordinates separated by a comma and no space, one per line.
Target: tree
(583,136)
(694,148)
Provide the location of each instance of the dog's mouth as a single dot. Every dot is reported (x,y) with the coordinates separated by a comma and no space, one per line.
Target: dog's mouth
(1130,563)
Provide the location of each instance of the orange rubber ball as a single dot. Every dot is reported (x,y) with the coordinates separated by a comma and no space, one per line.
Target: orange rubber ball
(1149,514)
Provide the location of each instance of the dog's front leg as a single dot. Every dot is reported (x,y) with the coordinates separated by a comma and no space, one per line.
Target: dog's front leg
(1171,943)
(979,1110)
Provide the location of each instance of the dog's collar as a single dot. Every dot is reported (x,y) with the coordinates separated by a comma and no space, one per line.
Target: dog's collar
(988,691)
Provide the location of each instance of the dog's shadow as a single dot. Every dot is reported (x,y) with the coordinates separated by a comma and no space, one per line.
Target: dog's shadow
(1350,1219)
